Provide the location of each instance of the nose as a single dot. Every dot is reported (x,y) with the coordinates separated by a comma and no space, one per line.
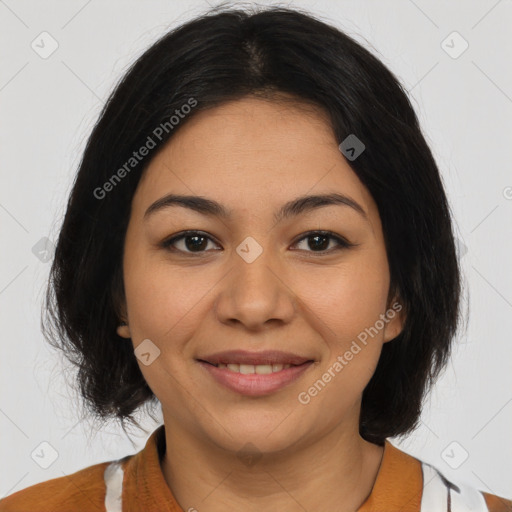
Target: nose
(255,293)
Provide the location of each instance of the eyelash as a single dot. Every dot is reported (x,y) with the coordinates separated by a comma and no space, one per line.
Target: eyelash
(342,243)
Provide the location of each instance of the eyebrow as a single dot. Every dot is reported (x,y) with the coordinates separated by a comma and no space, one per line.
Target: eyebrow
(292,208)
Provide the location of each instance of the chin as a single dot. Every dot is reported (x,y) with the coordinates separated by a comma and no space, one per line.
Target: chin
(257,435)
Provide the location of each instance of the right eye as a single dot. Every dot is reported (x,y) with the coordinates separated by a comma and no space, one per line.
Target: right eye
(193,242)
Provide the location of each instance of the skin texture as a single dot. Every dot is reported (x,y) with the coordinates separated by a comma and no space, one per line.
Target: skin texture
(252,156)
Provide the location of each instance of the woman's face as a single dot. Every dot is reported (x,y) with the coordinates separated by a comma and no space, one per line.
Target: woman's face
(254,281)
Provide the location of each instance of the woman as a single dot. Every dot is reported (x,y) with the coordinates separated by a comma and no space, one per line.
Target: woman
(259,240)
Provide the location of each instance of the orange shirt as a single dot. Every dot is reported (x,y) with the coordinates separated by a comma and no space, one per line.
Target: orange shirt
(141,486)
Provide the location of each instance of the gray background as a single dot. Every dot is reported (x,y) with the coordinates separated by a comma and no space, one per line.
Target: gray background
(48,107)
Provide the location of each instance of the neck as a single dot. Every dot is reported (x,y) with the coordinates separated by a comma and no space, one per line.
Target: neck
(339,468)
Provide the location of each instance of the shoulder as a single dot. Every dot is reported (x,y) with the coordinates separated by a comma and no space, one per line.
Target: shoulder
(458,495)
(81,491)
(406,482)
(497,503)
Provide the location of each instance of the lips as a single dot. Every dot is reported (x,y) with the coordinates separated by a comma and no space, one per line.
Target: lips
(268,357)
(255,380)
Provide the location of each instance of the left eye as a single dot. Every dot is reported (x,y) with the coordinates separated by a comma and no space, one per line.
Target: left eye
(196,242)
(318,239)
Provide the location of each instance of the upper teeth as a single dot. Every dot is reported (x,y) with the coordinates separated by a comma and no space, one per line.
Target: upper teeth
(251,368)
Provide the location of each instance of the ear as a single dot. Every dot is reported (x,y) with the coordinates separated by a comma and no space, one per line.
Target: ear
(395,319)
(119,301)
(123,328)
(124,331)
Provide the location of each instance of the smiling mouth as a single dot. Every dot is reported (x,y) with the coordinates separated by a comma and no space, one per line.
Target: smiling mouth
(260,369)
(267,377)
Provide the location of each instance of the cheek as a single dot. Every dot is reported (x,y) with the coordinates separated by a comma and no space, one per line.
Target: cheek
(163,306)
(346,318)
(350,298)
(348,312)
(164,302)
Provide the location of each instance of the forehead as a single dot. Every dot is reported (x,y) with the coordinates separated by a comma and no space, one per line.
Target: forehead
(252,153)
(253,128)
